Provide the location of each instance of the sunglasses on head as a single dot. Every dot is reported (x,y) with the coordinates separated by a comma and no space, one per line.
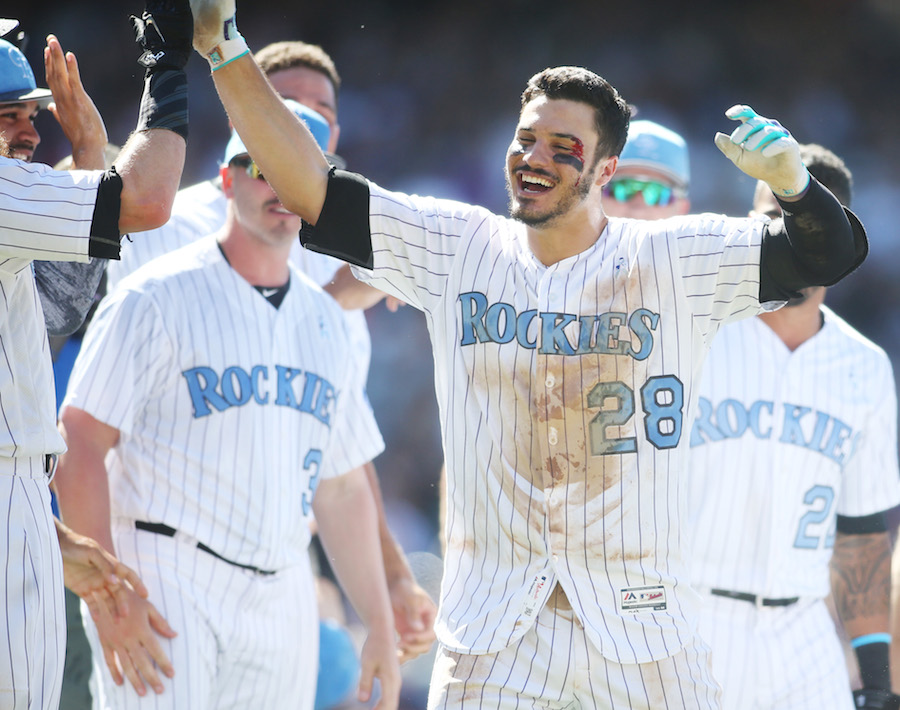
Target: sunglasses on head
(246,162)
(655,193)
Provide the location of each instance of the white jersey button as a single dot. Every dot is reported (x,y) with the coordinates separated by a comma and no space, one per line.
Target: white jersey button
(553,436)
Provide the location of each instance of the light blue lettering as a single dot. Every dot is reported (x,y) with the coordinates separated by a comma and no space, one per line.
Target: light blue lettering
(201,382)
(553,338)
(641,322)
(472,327)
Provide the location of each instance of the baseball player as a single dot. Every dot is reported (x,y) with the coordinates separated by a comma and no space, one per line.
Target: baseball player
(236,412)
(566,347)
(793,465)
(304,73)
(71,216)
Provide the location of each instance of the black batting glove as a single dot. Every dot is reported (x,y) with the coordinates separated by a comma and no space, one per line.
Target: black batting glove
(165,32)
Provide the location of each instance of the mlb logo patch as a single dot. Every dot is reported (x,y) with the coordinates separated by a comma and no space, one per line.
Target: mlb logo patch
(635,599)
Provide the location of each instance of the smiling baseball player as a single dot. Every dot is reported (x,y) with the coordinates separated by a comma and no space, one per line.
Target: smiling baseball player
(566,349)
(237,411)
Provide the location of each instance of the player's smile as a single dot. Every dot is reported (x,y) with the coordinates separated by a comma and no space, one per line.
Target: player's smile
(533,182)
(546,168)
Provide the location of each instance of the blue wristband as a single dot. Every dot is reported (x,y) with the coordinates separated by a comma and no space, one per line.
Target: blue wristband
(870,638)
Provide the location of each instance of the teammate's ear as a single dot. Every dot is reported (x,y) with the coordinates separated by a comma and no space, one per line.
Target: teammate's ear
(227,180)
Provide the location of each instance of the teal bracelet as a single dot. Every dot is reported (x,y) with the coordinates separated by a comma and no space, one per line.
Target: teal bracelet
(870,638)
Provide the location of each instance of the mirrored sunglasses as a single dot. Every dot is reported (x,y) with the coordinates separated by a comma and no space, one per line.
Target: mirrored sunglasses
(655,193)
(246,162)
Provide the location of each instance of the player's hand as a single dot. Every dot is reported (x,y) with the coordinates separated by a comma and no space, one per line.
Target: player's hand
(214,24)
(378,659)
(765,150)
(131,646)
(93,573)
(414,614)
(73,108)
(164,31)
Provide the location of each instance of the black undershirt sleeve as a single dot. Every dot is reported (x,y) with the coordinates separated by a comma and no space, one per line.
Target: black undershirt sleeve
(105,237)
(342,230)
(816,243)
(862,525)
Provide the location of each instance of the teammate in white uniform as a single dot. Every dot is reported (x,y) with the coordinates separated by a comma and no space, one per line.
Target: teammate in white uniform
(235,411)
(45,214)
(566,346)
(306,74)
(793,463)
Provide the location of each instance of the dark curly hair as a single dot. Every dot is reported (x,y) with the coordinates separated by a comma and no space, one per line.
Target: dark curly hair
(612,113)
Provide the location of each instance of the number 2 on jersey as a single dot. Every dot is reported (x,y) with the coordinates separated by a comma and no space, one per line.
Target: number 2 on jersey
(804,539)
(662,400)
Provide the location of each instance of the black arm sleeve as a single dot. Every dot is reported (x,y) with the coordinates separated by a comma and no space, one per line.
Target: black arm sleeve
(816,243)
(105,237)
(863,525)
(342,230)
(66,290)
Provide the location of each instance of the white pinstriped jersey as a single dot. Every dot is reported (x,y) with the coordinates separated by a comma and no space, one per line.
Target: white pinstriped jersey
(45,215)
(200,210)
(230,410)
(783,443)
(563,393)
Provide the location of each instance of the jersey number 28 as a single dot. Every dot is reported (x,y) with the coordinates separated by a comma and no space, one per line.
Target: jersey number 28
(662,400)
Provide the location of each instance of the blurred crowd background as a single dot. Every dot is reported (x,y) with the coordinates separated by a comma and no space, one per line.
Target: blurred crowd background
(430,99)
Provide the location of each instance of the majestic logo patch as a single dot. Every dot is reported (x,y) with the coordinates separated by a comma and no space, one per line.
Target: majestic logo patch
(635,599)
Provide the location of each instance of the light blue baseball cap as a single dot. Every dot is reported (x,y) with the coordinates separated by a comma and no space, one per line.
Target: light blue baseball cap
(16,78)
(316,123)
(655,147)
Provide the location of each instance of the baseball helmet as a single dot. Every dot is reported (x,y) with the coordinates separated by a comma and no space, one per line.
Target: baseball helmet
(16,78)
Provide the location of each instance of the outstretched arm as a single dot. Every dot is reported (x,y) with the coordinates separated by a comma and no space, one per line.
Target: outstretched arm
(279,142)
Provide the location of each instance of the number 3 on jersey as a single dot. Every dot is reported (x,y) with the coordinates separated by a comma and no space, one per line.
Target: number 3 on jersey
(662,400)
(312,461)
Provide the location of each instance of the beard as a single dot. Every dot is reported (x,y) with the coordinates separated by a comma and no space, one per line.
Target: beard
(571,196)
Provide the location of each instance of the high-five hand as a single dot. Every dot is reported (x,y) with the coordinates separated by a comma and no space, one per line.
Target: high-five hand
(765,150)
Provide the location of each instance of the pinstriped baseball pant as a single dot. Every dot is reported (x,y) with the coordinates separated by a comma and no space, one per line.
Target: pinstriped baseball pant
(554,667)
(34,639)
(244,640)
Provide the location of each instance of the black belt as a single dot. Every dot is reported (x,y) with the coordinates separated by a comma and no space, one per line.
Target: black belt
(162,529)
(753,599)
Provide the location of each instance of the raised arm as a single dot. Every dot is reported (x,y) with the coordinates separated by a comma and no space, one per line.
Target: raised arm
(280,144)
(151,161)
(818,242)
